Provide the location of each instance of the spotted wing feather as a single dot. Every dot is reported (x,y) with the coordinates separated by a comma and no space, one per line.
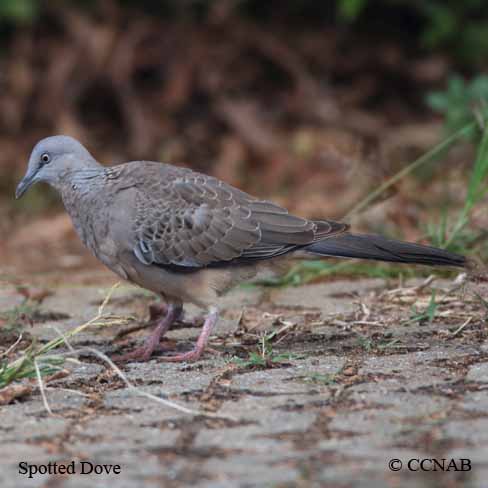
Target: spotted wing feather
(193,220)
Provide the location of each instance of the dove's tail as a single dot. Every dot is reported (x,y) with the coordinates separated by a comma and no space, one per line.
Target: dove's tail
(369,246)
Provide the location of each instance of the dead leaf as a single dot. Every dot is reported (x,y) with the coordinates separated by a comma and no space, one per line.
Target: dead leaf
(57,376)
(11,393)
(35,294)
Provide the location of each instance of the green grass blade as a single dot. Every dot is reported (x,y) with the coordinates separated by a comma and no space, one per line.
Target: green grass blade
(425,158)
(474,195)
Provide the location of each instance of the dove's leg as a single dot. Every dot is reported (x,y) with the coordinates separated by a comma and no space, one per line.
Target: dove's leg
(202,340)
(143,353)
(157,310)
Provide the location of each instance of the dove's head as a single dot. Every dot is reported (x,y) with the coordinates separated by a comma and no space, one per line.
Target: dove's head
(52,159)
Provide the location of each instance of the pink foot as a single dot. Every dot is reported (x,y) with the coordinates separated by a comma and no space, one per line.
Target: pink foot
(189,356)
(196,353)
(140,354)
(144,352)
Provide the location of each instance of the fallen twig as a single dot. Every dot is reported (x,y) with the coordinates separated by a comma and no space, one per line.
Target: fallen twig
(458,330)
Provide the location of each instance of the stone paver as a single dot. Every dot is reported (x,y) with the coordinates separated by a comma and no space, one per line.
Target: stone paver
(340,396)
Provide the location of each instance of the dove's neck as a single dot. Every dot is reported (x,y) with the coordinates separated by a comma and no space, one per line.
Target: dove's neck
(82,194)
(79,177)
(79,182)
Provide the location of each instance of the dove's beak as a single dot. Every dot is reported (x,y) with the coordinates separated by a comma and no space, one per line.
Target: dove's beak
(27,181)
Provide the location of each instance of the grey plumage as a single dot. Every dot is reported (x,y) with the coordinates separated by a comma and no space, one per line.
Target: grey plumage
(188,236)
(379,248)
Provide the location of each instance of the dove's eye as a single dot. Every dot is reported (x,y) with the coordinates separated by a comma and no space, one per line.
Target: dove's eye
(45,158)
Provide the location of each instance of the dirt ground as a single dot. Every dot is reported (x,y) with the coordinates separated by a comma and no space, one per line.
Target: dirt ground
(319,385)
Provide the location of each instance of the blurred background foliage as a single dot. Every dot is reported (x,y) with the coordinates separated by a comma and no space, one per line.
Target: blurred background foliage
(313,104)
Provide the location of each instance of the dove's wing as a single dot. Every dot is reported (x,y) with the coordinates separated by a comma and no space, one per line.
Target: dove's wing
(188,219)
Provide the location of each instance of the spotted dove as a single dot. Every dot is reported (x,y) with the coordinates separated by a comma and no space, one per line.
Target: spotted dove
(190,237)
